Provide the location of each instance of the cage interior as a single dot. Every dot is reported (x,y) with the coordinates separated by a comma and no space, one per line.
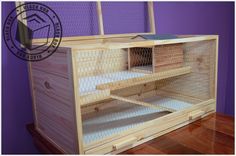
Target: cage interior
(116,98)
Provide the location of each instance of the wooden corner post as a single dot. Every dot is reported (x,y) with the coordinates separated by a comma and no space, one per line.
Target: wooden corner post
(100,18)
(151,17)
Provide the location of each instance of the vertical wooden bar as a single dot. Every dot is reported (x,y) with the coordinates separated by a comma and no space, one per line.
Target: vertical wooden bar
(216,68)
(100,18)
(129,63)
(153,59)
(77,103)
(151,17)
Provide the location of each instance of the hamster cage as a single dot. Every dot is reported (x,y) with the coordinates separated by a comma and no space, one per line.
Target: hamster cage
(108,93)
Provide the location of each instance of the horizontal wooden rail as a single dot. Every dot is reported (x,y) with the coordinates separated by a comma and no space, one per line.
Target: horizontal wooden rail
(142,103)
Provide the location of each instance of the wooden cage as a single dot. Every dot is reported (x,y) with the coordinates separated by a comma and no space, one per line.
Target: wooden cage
(108,93)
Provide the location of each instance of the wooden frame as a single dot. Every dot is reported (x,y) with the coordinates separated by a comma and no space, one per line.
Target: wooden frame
(59,107)
(110,91)
(102,35)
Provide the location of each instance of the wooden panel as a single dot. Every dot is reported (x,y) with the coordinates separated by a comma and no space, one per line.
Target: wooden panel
(55,64)
(54,102)
(53,86)
(167,57)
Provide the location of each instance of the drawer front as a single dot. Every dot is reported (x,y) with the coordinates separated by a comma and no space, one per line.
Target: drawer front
(154,129)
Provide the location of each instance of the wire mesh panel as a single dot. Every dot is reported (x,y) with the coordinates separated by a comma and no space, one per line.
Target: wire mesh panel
(77,18)
(125,17)
(116,98)
(200,56)
(140,59)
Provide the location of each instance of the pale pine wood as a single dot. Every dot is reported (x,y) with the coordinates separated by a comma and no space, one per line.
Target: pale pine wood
(125,143)
(94,37)
(94,97)
(100,18)
(125,41)
(157,135)
(216,66)
(56,65)
(54,105)
(150,128)
(77,103)
(196,114)
(145,79)
(57,101)
(151,17)
(168,57)
(141,103)
(148,87)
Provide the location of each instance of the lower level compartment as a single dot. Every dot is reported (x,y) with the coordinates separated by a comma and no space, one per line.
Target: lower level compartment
(134,126)
(115,120)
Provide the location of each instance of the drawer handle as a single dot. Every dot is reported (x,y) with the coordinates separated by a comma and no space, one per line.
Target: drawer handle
(47,85)
(125,143)
(196,114)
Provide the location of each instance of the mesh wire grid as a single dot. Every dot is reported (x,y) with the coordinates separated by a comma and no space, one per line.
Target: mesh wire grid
(98,67)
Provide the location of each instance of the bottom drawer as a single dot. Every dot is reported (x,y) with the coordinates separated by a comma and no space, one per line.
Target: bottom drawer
(150,129)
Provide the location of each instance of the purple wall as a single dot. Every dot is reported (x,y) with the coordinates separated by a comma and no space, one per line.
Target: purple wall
(16,101)
(171,18)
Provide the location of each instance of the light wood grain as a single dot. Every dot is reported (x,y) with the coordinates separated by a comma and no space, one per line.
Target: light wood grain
(100,18)
(79,130)
(56,64)
(150,128)
(145,79)
(53,98)
(158,107)
(59,101)
(151,17)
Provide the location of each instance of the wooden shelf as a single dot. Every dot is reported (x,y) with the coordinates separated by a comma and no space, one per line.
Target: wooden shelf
(142,69)
(103,90)
(144,79)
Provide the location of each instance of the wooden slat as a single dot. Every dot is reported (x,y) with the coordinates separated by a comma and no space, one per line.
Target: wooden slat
(55,64)
(111,43)
(145,79)
(151,17)
(76,99)
(54,104)
(196,114)
(158,107)
(94,37)
(94,97)
(100,18)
